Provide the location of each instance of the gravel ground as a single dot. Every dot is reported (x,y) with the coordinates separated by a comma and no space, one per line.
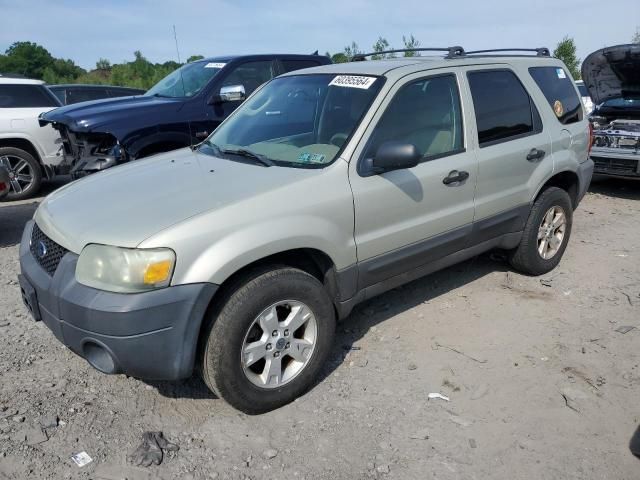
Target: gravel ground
(542,382)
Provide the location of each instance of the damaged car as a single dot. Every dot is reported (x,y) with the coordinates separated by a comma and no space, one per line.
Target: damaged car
(181,110)
(612,76)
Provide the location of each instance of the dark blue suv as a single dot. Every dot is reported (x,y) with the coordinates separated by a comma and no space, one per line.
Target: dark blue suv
(180,110)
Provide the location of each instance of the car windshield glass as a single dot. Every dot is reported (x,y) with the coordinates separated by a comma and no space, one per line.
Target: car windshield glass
(583,90)
(186,81)
(622,103)
(299,121)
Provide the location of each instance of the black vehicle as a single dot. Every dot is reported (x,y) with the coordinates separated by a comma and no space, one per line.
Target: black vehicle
(75,93)
(179,111)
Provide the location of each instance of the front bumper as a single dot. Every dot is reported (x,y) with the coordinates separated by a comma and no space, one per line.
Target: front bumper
(151,335)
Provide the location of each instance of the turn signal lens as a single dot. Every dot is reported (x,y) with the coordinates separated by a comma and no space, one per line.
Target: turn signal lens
(157,272)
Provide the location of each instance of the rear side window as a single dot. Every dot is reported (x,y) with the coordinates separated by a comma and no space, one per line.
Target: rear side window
(291,65)
(26,96)
(560,92)
(76,95)
(503,108)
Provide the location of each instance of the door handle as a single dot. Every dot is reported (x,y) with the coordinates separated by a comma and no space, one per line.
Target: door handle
(203,134)
(535,155)
(455,178)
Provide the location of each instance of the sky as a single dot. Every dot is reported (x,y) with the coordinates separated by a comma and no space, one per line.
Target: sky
(86,30)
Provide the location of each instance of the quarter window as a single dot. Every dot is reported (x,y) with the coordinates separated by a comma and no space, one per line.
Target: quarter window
(559,90)
(425,113)
(503,108)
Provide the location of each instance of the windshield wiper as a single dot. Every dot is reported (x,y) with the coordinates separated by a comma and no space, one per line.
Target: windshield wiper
(243,152)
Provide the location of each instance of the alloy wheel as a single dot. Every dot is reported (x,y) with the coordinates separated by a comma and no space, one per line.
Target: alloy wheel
(279,344)
(551,232)
(21,175)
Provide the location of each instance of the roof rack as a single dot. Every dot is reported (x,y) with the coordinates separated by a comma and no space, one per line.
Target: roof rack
(454,52)
(451,52)
(541,52)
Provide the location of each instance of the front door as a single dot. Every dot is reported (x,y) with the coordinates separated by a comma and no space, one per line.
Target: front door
(408,218)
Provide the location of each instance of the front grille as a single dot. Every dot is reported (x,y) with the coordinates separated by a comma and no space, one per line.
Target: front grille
(46,252)
(615,165)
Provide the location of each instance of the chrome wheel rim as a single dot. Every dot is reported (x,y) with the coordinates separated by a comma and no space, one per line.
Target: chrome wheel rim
(20,172)
(551,232)
(279,344)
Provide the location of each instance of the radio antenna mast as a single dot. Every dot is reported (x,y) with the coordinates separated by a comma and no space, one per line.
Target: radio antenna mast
(175,37)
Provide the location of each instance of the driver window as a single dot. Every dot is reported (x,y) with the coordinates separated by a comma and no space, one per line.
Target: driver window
(250,75)
(425,113)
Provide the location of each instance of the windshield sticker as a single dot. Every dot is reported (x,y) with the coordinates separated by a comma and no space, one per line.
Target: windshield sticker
(214,65)
(561,73)
(352,81)
(558,108)
(311,158)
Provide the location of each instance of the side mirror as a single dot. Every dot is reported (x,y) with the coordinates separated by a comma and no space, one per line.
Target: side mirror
(231,93)
(393,156)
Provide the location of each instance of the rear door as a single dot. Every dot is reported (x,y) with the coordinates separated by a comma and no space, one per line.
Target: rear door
(408,218)
(514,150)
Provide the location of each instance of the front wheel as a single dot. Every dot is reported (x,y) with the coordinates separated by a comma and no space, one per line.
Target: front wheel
(268,342)
(545,234)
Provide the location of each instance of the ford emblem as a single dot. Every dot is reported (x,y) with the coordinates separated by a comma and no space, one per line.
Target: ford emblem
(41,249)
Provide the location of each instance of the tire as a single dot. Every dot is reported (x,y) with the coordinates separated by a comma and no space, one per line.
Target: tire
(527,257)
(235,324)
(25,173)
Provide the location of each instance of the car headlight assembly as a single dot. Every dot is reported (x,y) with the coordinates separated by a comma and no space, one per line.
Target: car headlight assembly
(125,270)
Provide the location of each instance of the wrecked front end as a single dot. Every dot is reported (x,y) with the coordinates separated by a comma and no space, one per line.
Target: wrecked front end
(89,152)
(616,148)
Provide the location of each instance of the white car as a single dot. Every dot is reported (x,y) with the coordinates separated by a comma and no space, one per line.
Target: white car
(586,98)
(29,151)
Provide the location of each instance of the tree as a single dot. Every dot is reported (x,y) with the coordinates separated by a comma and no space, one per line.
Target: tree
(636,36)
(26,58)
(339,58)
(103,64)
(352,50)
(411,42)
(193,58)
(566,51)
(380,46)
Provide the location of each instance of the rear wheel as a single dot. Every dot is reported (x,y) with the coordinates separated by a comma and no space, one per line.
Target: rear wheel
(546,233)
(25,173)
(269,340)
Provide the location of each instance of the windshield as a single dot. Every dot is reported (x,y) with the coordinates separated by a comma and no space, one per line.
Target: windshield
(622,103)
(583,90)
(186,81)
(300,121)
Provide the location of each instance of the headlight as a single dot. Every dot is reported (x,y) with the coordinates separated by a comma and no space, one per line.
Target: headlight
(125,270)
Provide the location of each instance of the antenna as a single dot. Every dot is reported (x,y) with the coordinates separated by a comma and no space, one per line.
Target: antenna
(175,37)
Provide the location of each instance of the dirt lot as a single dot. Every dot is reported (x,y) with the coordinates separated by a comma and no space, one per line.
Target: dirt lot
(541,383)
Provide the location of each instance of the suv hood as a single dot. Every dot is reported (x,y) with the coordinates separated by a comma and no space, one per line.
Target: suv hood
(127,204)
(99,115)
(612,72)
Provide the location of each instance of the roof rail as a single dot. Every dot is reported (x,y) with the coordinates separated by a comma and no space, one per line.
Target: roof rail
(540,52)
(451,52)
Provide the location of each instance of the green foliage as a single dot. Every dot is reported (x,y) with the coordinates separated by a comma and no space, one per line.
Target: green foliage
(566,51)
(339,58)
(380,46)
(636,36)
(194,58)
(351,51)
(34,61)
(411,42)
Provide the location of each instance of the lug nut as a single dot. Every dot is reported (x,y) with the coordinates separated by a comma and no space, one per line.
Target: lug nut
(274,333)
(286,333)
(276,354)
(287,345)
(269,346)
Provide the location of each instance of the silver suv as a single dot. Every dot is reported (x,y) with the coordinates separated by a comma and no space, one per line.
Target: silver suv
(326,187)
